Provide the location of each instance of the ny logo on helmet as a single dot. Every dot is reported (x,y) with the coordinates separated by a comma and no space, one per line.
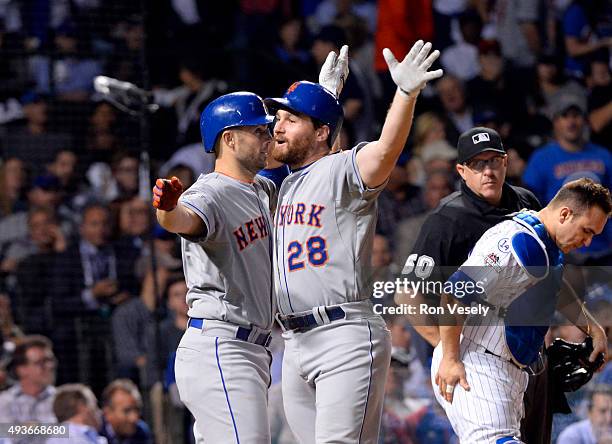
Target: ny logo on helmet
(480,137)
(292,87)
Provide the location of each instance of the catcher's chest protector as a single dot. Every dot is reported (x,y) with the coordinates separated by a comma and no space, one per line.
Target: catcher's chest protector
(529,315)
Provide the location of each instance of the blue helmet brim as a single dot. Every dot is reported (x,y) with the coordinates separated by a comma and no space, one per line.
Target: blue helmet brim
(263,120)
(279,103)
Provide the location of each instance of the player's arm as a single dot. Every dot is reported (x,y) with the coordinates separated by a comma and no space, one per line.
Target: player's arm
(171,215)
(376,160)
(576,312)
(451,371)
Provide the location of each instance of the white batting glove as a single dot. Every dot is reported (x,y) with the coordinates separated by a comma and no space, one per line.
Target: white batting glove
(334,71)
(411,74)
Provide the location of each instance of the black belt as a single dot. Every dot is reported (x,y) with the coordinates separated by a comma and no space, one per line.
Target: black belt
(487,351)
(242,333)
(308,321)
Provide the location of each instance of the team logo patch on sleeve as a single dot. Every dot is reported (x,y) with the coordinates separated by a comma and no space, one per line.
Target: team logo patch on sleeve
(480,137)
(504,245)
(492,260)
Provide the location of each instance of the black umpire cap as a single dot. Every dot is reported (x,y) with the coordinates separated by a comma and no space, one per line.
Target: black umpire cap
(476,141)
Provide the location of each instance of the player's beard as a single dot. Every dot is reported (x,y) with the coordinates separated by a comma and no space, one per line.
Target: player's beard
(294,152)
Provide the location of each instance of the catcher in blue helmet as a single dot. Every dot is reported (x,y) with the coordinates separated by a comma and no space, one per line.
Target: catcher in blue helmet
(224,219)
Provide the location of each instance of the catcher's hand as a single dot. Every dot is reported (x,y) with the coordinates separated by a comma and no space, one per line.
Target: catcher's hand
(334,71)
(411,74)
(166,193)
(570,365)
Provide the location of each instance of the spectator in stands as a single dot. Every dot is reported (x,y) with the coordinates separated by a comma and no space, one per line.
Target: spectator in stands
(72,73)
(171,330)
(551,83)
(24,140)
(403,348)
(101,138)
(167,252)
(64,167)
(45,193)
(458,114)
(121,405)
(427,128)
(597,428)
(133,225)
(493,87)
(76,406)
(394,428)
(115,181)
(290,58)
(189,99)
(125,173)
(13,183)
(461,58)
(331,11)
(33,301)
(433,156)
(125,63)
(400,23)
(31,398)
(445,21)
(192,161)
(397,201)
(517,31)
(88,280)
(13,70)
(439,184)
(569,156)
(44,236)
(355,98)
(381,261)
(599,82)
(431,425)
(132,327)
(581,34)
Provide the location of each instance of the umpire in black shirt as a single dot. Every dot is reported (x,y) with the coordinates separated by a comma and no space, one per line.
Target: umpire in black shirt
(453,228)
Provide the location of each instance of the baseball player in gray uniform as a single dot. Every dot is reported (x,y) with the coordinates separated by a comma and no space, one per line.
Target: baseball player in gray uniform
(224,219)
(337,350)
(478,368)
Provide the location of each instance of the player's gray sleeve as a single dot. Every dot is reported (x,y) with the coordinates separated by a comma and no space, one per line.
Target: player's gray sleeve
(200,198)
(348,188)
(270,188)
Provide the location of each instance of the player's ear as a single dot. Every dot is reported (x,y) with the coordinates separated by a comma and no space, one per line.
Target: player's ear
(564,214)
(322,133)
(229,138)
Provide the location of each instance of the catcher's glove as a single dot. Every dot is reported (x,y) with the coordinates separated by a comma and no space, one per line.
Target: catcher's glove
(569,363)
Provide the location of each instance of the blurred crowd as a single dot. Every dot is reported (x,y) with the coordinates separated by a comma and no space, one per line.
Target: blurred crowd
(79,302)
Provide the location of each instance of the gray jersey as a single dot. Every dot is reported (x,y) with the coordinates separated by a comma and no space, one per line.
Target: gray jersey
(324,229)
(228,272)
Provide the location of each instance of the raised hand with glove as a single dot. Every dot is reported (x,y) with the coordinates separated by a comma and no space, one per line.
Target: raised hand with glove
(411,74)
(377,159)
(334,71)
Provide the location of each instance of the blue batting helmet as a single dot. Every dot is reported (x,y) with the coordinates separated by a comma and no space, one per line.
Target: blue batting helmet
(229,111)
(314,101)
